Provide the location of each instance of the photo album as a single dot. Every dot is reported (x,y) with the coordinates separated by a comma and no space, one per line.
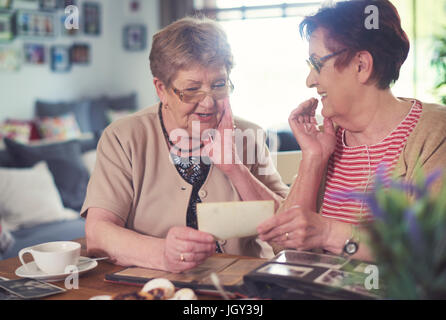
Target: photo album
(290,274)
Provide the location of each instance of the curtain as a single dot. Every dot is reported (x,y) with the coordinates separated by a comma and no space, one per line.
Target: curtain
(172,10)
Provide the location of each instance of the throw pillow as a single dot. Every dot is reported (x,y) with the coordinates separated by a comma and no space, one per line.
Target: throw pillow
(34,134)
(113,115)
(65,163)
(81,110)
(29,197)
(16,131)
(89,159)
(64,127)
(71,179)
(127,102)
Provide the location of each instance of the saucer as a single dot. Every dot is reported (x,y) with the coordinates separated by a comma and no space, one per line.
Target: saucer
(30,270)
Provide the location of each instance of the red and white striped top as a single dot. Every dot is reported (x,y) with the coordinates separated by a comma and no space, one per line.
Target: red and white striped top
(353,169)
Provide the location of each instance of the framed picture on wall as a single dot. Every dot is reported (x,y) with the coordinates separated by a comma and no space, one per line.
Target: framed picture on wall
(62,4)
(80,53)
(5,4)
(35,24)
(60,58)
(10,59)
(135,37)
(48,4)
(34,53)
(6,26)
(64,31)
(92,18)
(25,4)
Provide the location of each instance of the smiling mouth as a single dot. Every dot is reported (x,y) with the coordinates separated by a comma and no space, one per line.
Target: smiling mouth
(204,115)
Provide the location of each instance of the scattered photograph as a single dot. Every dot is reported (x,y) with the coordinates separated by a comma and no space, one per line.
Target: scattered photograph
(91,16)
(35,24)
(135,37)
(60,59)
(34,53)
(309,258)
(285,270)
(80,54)
(345,280)
(6,30)
(30,289)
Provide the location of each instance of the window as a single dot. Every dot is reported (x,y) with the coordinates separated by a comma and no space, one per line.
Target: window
(270,69)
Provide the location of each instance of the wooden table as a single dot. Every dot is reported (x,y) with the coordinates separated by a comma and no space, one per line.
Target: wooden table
(91,283)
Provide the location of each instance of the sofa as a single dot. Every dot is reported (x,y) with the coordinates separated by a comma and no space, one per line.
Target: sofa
(44,170)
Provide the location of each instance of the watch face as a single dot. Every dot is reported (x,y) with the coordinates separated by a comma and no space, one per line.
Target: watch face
(351,248)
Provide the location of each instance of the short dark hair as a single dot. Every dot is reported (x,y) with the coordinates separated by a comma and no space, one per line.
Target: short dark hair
(344,24)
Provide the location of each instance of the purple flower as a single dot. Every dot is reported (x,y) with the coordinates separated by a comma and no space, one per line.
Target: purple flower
(433,177)
(414,230)
(368,198)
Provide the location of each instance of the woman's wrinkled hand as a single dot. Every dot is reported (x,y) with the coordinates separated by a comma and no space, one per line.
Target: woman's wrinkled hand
(311,140)
(296,228)
(185,248)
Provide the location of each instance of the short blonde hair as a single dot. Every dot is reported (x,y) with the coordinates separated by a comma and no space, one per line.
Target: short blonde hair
(187,42)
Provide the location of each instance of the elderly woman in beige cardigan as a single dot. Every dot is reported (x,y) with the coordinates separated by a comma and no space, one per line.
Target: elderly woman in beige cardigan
(153,167)
(352,68)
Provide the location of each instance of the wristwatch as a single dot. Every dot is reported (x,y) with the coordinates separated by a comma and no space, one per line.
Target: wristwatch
(351,247)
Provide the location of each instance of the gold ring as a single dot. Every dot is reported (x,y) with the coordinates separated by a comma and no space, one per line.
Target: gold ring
(287,235)
(182,258)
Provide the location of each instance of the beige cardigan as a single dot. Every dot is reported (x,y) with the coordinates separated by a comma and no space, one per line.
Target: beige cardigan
(426,144)
(135,179)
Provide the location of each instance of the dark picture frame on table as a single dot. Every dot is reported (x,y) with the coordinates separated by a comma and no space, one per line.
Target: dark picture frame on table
(7,26)
(34,53)
(80,53)
(60,58)
(35,24)
(135,37)
(5,4)
(91,13)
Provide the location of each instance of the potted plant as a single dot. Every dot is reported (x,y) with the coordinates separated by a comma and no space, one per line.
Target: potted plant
(408,236)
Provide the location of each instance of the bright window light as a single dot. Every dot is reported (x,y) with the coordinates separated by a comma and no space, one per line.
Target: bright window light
(270,69)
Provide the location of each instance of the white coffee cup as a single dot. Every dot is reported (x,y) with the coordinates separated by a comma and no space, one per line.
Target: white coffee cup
(53,257)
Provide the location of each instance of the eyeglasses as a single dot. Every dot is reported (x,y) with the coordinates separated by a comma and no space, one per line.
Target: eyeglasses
(317,63)
(193,95)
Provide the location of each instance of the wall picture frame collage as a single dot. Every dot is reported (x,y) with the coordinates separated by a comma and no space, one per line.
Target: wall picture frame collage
(30,31)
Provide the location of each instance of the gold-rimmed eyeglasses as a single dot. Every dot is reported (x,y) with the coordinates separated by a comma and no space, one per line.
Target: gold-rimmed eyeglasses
(317,63)
(193,95)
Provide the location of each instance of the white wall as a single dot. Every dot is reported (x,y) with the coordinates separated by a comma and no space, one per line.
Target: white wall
(112,70)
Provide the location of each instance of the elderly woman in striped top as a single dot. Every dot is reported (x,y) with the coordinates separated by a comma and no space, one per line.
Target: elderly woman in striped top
(365,125)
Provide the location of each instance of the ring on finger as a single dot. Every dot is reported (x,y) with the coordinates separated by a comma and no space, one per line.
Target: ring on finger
(182,259)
